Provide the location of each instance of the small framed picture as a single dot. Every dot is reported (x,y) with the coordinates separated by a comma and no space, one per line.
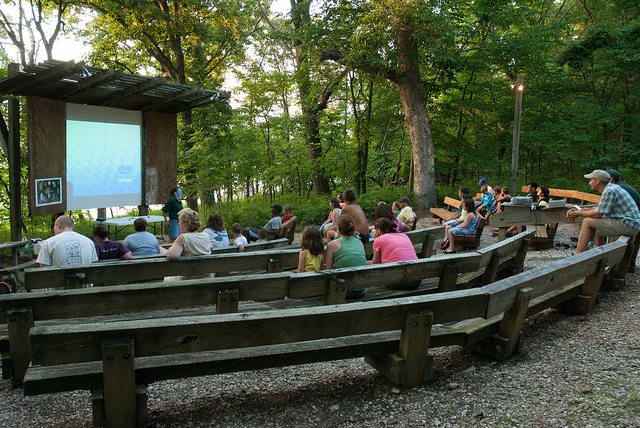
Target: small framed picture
(48,191)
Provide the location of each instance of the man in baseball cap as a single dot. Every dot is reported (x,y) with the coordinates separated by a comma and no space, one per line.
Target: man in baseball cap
(616,214)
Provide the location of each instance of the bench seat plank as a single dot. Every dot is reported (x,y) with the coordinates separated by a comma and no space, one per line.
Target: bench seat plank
(82,342)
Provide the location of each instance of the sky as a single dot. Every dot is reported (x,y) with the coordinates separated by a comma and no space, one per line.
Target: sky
(68,48)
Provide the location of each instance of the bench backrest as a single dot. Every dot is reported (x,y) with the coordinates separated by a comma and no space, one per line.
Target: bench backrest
(452,203)
(576,195)
(131,271)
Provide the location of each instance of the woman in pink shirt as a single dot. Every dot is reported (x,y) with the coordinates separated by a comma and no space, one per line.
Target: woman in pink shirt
(390,246)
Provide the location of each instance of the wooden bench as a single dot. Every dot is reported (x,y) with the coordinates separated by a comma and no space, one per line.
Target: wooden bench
(448,212)
(471,241)
(117,360)
(231,294)
(127,271)
(572,195)
(288,229)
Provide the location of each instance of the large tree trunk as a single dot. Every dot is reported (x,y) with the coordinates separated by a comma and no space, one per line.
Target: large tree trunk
(408,83)
(310,107)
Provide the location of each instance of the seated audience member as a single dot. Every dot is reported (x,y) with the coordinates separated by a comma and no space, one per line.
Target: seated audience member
(483,183)
(272,227)
(190,242)
(463,215)
(615,179)
(311,256)
(107,249)
(142,243)
(503,198)
(262,236)
(215,229)
(464,190)
(390,246)
(239,240)
(486,200)
(334,203)
(287,213)
(466,228)
(383,211)
(494,201)
(66,247)
(346,250)
(406,213)
(543,198)
(532,191)
(616,214)
(395,207)
(357,216)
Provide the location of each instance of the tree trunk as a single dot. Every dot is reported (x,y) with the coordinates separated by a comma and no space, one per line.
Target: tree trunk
(410,89)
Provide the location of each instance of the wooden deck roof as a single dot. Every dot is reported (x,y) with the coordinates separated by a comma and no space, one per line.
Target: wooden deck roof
(83,84)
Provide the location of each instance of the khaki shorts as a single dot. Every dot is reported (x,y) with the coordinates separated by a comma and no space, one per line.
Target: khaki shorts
(607,226)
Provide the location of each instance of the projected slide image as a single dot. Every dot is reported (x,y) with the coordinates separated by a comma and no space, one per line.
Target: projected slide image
(48,191)
(103,160)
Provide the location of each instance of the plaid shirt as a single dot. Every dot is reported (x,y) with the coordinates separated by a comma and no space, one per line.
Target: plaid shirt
(617,203)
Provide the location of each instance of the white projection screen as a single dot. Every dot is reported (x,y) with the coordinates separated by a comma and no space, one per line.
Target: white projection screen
(104,161)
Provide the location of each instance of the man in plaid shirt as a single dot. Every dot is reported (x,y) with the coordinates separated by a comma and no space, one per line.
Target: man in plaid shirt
(616,214)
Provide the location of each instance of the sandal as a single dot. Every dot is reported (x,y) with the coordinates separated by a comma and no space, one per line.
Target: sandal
(449,251)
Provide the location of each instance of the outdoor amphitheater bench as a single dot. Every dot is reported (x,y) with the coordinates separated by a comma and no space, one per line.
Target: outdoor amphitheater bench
(117,360)
(22,311)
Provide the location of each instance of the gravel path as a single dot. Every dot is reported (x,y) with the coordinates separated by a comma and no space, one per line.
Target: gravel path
(573,371)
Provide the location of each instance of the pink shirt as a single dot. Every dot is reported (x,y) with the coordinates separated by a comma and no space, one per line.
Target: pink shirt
(394,247)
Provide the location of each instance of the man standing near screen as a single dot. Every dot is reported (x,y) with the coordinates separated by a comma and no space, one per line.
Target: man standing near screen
(170,212)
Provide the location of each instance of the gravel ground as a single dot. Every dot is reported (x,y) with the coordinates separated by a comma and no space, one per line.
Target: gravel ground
(573,371)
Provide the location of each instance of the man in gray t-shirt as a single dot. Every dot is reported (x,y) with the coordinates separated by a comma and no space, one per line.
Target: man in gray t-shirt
(142,243)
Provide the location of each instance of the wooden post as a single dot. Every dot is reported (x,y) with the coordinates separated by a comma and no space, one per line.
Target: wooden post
(427,246)
(518,260)
(491,270)
(616,279)
(414,346)
(19,323)
(336,291)
(589,291)
(275,265)
(119,382)
(14,162)
(227,301)
(502,344)
(75,280)
(516,132)
(449,277)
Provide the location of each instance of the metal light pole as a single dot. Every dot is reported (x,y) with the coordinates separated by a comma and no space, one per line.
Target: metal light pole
(519,87)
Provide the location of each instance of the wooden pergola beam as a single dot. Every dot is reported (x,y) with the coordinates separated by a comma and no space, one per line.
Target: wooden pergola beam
(133,91)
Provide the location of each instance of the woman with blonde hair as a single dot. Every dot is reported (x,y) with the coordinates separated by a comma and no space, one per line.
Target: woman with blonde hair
(190,242)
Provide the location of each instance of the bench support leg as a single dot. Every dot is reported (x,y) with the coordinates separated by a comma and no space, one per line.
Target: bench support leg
(275,265)
(97,405)
(75,280)
(336,291)
(615,281)
(518,260)
(119,382)
(19,323)
(412,365)
(589,291)
(501,345)
(227,302)
(427,247)
(491,271)
(449,278)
